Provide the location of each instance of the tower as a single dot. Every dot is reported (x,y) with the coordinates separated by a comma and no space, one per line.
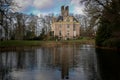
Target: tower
(67,11)
(64,11)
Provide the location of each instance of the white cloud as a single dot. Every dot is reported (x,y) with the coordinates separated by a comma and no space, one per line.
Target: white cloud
(78,9)
(47,4)
(41,4)
(38,4)
(75,2)
(23,4)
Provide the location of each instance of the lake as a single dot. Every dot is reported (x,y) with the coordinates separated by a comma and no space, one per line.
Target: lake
(61,62)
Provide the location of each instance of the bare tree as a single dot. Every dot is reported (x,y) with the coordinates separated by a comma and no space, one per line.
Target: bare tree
(20,26)
(32,26)
(5,18)
(106,14)
(97,8)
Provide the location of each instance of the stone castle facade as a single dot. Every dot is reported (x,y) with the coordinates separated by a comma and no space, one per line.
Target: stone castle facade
(65,26)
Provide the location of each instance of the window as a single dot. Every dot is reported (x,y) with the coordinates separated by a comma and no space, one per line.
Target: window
(60,33)
(74,28)
(67,33)
(68,26)
(52,33)
(60,26)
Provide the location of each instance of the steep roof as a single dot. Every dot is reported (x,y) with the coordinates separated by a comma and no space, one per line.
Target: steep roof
(74,19)
(60,18)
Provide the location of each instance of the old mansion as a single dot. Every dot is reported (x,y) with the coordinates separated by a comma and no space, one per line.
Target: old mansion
(65,26)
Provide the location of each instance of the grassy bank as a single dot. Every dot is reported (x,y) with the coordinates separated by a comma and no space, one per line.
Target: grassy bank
(23,43)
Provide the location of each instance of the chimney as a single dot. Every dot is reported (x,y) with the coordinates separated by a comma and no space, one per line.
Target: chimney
(62,10)
(67,11)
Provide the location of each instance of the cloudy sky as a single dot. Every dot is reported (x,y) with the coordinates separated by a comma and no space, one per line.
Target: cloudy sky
(47,6)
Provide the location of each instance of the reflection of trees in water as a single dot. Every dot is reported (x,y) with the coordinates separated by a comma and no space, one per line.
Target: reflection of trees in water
(20,60)
(65,58)
(5,69)
(46,56)
(71,58)
(15,60)
(87,61)
(75,58)
(109,65)
(30,59)
(26,59)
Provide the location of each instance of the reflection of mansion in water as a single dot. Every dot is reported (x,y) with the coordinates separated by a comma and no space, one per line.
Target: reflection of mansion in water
(65,26)
(64,57)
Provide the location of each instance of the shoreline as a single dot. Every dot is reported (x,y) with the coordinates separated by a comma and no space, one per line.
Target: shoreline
(108,48)
(16,45)
(24,44)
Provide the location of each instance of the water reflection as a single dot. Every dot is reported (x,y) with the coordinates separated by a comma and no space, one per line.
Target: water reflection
(70,62)
(109,65)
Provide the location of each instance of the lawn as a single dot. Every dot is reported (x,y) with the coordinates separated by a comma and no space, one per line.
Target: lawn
(20,43)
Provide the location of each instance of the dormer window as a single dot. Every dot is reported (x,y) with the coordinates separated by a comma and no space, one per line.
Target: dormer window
(74,21)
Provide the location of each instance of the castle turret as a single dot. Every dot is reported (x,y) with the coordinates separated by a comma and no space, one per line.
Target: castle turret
(67,11)
(62,10)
